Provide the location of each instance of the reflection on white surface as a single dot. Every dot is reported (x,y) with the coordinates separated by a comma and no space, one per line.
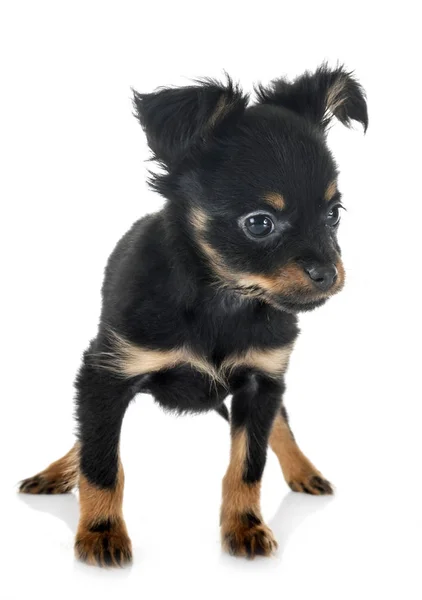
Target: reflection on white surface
(294,509)
(62,506)
(292,512)
(351,538)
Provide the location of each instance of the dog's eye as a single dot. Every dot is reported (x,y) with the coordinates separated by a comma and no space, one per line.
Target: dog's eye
(259,225)
(333,216)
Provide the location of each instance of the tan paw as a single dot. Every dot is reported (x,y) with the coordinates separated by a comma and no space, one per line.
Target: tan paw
(246,535)
(311,484)
(45,484)
(104,544)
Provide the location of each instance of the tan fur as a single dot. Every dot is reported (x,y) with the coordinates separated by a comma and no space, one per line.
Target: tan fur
(240,499)
(97,506)
(335,95)
(297,468)
(58,478)
(97,503)
(291,280)
(273,361)
(238,496)
(217,263)
(341,277)
(131,360)
(275,200)
(199,221)
(330,191)
(91,547)
(222,108)
(66,468)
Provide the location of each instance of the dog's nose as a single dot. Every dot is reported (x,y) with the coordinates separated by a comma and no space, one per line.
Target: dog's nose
(323,277)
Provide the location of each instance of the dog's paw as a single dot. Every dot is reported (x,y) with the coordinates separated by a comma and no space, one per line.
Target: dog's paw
(246,535)
(104,545)
(43,484)
(311,484)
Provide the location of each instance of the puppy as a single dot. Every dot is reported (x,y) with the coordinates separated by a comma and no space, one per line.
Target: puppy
(201,299)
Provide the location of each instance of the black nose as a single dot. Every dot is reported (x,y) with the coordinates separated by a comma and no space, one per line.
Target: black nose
(323,277)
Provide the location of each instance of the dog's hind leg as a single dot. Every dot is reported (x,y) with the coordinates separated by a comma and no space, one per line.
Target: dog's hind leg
(299,473)
(58,478)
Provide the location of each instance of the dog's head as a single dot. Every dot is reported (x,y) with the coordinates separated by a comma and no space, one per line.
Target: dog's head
(255,186)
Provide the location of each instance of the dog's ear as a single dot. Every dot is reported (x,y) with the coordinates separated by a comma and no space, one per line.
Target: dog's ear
(178,121)
(319,96)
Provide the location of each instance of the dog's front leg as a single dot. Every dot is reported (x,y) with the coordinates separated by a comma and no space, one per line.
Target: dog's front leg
(256,400)
(102,399)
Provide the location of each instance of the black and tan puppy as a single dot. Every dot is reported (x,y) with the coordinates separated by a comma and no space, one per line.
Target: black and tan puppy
(200,299)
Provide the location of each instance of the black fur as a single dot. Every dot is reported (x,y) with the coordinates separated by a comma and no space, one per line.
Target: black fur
(177,121)
(249,413)
(220,156)
(102,402)
(307,96)
(194,276)
(101,526)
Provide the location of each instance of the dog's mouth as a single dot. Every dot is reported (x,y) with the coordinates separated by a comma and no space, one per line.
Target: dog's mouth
(295,306)
(293,300)
(289,288)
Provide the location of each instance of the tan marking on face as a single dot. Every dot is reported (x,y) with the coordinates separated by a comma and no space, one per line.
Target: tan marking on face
(341,277)
(273,361)
(275,200)
(199,220)
(289,279)
(216,262)
(292,280)
(330,191)
(295,465)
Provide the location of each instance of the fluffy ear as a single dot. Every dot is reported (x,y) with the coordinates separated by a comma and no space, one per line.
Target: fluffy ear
(319,96)
(179,120)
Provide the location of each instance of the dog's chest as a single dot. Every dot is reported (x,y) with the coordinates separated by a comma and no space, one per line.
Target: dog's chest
(240,334)
(215,342)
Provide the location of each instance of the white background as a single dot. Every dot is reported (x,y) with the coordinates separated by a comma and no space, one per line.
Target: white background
(73,180)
